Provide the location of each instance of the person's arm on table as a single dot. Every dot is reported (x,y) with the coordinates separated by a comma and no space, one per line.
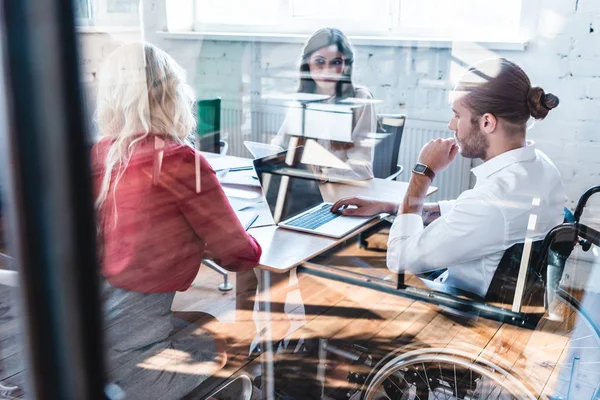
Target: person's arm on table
(417,190)
(213,219)
(366,207)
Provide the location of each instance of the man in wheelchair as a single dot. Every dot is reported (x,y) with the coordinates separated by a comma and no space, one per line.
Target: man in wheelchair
(518,195)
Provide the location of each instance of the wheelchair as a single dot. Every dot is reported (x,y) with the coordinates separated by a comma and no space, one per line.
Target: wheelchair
(415,372)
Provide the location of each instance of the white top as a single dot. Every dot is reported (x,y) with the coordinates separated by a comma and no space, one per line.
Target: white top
(518,194)
(360,157)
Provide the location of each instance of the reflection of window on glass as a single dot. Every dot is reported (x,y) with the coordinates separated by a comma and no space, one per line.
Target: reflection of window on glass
(83,9)
(122,6)
(107,12)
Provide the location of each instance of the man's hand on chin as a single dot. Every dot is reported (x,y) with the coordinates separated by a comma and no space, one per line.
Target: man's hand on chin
(437,155)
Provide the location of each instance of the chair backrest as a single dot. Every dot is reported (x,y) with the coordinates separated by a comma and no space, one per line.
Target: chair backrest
(545,268)
(583,201)
(385,159)
(209,125)
(504,282)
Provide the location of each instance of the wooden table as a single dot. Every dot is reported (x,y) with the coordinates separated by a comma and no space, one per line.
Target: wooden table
(284,249)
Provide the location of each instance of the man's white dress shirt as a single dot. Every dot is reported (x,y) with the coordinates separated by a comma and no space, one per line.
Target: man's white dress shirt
(518,194)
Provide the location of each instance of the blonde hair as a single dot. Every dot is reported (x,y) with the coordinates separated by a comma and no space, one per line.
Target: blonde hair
(141,91)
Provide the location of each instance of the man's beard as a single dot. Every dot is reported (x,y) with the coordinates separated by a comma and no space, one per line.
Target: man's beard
(475,144)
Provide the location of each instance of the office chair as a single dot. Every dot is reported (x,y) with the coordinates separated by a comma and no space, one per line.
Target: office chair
(209,127)
(389,138)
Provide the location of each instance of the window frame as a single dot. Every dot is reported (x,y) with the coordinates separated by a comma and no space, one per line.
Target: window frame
(86,20)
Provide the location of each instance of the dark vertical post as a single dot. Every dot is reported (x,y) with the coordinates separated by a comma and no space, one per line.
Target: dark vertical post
(46,152)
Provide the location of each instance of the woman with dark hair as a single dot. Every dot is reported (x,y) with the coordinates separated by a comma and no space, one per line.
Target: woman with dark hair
(326,69)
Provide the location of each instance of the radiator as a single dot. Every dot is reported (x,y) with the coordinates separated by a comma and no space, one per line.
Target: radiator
(261,124)
(255,123)
(454,180)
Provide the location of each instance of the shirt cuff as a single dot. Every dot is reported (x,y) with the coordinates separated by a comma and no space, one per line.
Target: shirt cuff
(405,226)
(446,206)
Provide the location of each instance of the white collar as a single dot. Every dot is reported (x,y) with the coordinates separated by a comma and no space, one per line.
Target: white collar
(505,159)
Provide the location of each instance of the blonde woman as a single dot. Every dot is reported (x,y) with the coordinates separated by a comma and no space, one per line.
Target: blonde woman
(160,211)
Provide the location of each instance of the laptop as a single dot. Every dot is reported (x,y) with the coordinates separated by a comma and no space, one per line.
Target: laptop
(295,200)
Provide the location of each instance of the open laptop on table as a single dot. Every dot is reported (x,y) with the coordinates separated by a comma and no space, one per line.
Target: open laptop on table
(294,198)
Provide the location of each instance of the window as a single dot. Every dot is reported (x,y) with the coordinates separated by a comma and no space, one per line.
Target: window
(83,11)
(237,12)
(294,16)
(443,19)
(358,16)
(108,12)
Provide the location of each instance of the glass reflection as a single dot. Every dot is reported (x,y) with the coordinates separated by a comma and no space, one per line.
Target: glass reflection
(390,310)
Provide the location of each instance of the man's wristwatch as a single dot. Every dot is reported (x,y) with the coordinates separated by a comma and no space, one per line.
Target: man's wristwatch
(423,169)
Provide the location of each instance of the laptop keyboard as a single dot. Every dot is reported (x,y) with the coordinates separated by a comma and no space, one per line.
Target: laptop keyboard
(315,218)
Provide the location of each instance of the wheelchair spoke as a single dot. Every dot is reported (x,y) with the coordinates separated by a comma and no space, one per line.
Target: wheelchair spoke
(427,381)
(409,385)
(455,383)
(501,389)
(443,380)
(398,387)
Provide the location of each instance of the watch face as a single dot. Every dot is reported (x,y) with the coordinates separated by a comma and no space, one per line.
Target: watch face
(420,168)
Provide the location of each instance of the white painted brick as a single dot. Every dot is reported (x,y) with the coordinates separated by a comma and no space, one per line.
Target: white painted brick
(592,6)
(592,88)
(589,133)
(563,45)
(562,7)
(557,150)
(586,110)
(542,63)
(588,153)
(568,90)
(587,46)
(226,67)
(211,49)
(576,26)
(566,170)
(585,67)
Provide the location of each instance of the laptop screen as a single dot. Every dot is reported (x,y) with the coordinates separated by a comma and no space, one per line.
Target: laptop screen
(289,187)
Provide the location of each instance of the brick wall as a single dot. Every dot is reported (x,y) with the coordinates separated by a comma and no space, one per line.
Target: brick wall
(93,48)
(564,58)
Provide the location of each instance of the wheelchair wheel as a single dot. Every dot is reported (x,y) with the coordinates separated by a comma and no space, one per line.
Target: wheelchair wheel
(441,373)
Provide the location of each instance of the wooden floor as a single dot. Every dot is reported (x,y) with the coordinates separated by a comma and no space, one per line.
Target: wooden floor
(365,322)
(346,315)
